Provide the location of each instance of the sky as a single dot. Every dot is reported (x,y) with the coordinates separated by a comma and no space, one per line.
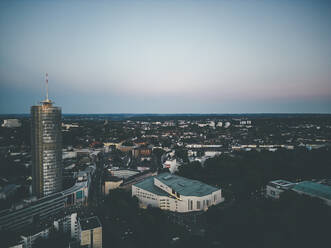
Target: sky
(167,56)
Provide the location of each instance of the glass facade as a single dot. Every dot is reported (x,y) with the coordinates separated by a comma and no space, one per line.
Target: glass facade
(46,146)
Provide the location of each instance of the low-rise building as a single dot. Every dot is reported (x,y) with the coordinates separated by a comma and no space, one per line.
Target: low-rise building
(68,224)
(177,194)
(123,173)
(172,165)
(142,151)
(314,189)
(276,187)
(11,123)
(29,239)
(90,232)
(110,183)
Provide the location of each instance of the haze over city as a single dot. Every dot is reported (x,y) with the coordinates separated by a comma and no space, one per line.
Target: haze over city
(165,123)
(167,56)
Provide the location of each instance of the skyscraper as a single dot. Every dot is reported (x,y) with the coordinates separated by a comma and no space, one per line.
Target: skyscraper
(46,148)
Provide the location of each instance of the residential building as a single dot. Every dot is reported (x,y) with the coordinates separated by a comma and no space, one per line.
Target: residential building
(276,187)
(68,224)
(90,232)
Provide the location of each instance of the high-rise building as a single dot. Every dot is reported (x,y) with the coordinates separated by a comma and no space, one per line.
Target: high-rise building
(46,147)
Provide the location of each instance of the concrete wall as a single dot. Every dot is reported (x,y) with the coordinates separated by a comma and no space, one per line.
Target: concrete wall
(109,185)
(146,198)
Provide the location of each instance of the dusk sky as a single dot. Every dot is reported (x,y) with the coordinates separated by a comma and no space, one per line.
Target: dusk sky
(167,56)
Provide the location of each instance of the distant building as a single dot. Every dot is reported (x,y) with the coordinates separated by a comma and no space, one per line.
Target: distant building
(46,144)
(227,124)
(124,148)
(142,151)
(110,183)
(124,174)
(219,124)
(172,165)
(11,123)
(275,188)
(90,232)
(245,122)
(177,194)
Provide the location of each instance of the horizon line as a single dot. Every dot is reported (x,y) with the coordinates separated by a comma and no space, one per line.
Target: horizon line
(188,113)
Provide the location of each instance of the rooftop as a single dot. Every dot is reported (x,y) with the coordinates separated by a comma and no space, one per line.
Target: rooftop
(283,184)
(180,184)
(185,186)
(148,185)
(90,223)
(317,189)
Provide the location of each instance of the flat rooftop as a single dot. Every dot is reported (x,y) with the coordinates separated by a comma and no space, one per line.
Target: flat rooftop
(185,186)
(283,184)
(312,188)
(148,185)
(90,223)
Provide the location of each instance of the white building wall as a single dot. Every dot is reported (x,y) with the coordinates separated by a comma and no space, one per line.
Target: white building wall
(146,198)
(110,185)
(29,241)
(74,226)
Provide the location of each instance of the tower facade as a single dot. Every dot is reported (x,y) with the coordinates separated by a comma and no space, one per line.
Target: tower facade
(46,148)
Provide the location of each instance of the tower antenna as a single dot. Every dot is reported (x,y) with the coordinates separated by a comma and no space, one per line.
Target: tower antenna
(47,87)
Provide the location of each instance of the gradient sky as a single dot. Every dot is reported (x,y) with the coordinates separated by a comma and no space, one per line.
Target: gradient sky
(167,56)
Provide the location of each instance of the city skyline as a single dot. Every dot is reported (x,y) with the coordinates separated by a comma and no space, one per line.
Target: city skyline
(167,56)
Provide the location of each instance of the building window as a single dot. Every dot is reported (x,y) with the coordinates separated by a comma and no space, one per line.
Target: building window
(198,204)
(190,204)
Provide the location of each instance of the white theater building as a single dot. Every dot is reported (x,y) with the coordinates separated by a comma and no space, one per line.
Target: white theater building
(177,194)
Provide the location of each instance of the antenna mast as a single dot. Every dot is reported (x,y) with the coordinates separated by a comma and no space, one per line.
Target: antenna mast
(47,87)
